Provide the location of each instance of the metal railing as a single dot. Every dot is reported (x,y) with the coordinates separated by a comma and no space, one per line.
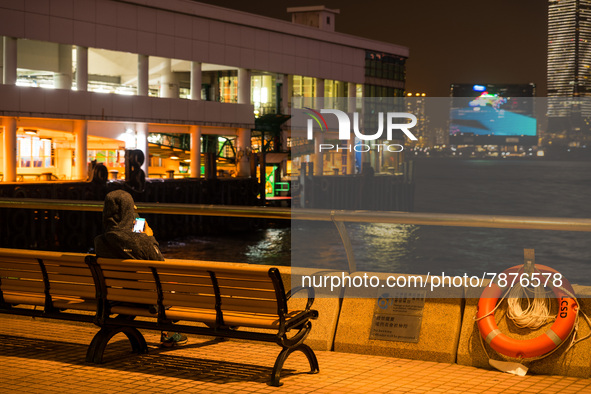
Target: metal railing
(338,217)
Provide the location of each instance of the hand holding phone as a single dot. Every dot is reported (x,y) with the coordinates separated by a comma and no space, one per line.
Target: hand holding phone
(139,225)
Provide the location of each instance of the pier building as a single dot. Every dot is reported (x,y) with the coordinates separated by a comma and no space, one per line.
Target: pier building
(199,89)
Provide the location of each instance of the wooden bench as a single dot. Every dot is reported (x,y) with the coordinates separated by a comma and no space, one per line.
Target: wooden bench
(230,300)
(59,283)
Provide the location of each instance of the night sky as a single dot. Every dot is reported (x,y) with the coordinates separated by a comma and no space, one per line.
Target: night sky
(461,41)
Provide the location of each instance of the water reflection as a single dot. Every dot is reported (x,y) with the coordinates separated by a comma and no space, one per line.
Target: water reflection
(383,247)
(266,246)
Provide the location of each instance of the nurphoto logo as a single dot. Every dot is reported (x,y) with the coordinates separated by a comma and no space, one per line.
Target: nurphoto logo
(345,129)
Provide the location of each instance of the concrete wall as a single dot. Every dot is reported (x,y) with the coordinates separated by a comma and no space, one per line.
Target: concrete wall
(193,31)
(439,330)
(71,104)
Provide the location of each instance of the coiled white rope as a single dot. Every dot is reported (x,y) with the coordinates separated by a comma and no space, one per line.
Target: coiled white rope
(537,312)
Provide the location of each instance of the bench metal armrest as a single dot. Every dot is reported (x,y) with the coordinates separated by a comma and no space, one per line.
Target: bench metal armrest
(311,294)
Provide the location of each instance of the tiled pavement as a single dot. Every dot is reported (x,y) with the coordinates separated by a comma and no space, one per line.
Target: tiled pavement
(42,356)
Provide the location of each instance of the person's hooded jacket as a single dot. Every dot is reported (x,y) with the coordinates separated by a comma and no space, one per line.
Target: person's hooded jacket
(118,240)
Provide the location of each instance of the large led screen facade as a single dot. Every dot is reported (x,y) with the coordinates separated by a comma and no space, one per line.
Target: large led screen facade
(492,115)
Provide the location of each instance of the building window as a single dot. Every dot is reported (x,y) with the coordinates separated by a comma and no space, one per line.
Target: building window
(385,66)
(304,87)
(156,161)
(228,89)
(109,157)
(34,152)
(263,94)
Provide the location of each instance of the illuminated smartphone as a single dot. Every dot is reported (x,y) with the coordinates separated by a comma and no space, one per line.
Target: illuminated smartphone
(138,225)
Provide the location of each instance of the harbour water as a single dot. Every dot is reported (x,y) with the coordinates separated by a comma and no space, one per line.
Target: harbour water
(489,187)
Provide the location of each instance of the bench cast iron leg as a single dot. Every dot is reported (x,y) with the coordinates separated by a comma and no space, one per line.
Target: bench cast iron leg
(101,339)
(284,354)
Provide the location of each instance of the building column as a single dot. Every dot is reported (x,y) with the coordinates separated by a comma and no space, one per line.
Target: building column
(81,133)
(82,68)
(143,75)
(318,155)
(9,61)
(365,156)
(2,61)
(9,149)
(319,93)
(319,137)
(63,78)
(243,86)
(169,86)
(352,96)
(351,108)
(196,78)
(243,149)
(195,166)
(286,92)
(141,134)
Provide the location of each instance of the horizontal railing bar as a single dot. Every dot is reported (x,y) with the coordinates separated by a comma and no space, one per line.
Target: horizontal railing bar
(395,217)
(152,207)
(446,219)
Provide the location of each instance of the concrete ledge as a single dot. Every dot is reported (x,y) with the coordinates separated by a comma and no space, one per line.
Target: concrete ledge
(439,331)
(575,362)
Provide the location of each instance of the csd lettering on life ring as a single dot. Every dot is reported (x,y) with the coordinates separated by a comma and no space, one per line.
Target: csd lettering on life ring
(564,307)
(534,347)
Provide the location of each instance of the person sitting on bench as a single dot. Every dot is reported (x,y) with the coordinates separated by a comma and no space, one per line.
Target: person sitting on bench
(120,241)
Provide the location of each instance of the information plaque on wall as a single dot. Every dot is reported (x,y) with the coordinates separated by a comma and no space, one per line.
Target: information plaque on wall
(397,316)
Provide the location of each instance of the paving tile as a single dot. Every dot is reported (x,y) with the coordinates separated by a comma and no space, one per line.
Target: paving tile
(39,355)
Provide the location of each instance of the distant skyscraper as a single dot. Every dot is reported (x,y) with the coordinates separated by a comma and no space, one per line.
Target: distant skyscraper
(569,59)
(569,48)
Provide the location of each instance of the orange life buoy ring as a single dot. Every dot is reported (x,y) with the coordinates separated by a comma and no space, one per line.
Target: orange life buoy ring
(528,348)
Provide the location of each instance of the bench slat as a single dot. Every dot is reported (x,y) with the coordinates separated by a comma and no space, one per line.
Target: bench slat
(246,292)
(131,284)
(188,279)
(243,276)
(249,305)
(4,273)
(24,298)
(199,315)
(28,264)
(186,265)
(169,267)
(189,300)
(135,296)
(262,285)
(58,286)
(219,267)
(60,256)
(255,321)
(70,279)
(28,285)
(183,288)
(90,294)
(182,273)
(63,270)
(141,275)
(80,262)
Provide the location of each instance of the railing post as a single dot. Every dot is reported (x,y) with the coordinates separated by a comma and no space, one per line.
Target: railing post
(340,225)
